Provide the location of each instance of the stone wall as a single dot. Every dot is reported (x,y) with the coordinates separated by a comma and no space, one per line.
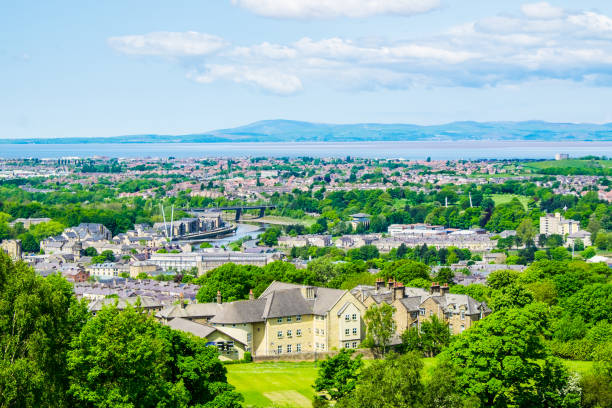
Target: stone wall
(366,353)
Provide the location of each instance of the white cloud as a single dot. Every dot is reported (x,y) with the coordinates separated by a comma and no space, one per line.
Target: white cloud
(592,21)
(269,80)
(543,11)
(189,43)
(310,9)
(537,44)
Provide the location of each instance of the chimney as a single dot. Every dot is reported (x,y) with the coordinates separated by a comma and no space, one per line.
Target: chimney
(251,296)
(435,288)
(444,290)
(182,301)
(219,297)
(390,284)
(398,291)
(380,283)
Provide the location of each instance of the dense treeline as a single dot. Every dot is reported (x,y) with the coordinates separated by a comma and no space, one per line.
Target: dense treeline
(509,359)
(53,353)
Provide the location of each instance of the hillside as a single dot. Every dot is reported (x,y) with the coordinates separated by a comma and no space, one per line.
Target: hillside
(295,131)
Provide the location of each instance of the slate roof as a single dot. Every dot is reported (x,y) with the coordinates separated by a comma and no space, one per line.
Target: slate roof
(146,302)
(200,330)
(192,310)
(242,311)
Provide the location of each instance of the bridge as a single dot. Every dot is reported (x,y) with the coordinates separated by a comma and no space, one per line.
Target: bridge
(239,209)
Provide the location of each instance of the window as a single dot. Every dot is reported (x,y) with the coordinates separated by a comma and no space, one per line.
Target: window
(279,320)
(354,344)
(462,315)
(323,346)
(422,311)
(233,325)
(288,333)
(346,332)
(462,328)
(298,348)
(347,345)
(316,331)
(279,349)
(298,318)
(322,332)
(347,318)
(431,313)
(288,319)
(354,316)
(288,348)
(249,336)
(279,334)
(354,330)
(298,332)
(316,345)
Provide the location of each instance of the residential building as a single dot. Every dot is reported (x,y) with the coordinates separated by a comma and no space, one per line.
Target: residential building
(360,219)
(12,247)
(228,346)
(28,222)
(205,261)
(555,224)
(305,240)
(415,305)
(580,235)
(285,319)
(147,304)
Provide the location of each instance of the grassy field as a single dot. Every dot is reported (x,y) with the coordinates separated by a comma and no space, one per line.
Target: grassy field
(570,163)
(279,220)
(267,385)
(274,384)
(506,198)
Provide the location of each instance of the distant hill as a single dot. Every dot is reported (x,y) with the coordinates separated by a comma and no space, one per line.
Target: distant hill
(295,131)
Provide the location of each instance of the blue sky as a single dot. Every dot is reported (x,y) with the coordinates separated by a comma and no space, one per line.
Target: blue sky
(105,68)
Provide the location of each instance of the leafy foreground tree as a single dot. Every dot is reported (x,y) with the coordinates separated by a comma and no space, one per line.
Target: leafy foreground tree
(380,328)
(431,339)
(126,359)
(597,384)
(38,318)
(502,362)
(337,377)
(392,382)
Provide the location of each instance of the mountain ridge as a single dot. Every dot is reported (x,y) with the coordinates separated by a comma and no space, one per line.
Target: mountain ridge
(284,130)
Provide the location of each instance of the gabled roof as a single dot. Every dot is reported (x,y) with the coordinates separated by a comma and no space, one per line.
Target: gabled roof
(192,310)
(411,303)
(199,330)
(242,311)
(146,302)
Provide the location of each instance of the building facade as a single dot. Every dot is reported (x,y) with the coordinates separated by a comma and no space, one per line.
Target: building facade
(555,224)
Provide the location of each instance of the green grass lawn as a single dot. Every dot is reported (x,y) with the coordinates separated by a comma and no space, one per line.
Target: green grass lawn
(580,367)
(280,220)
(274,384)
(570,163)
(506,198)
(282,384)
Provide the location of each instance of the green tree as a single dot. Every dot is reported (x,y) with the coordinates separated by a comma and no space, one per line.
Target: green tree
(435,336)
(38,318)
(526,231)
(392,382)
(337,376)
(380,327)
(503,362)
(127,359)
